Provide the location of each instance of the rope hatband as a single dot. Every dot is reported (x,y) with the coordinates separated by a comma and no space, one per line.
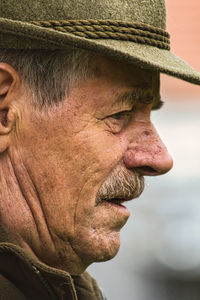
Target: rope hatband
(109,29)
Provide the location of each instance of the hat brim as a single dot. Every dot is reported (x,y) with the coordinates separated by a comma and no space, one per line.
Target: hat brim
(22,35)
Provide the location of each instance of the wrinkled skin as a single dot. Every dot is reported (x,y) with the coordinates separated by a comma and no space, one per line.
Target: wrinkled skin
(54,162)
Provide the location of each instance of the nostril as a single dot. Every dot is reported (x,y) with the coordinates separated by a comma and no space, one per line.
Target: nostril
(146,170)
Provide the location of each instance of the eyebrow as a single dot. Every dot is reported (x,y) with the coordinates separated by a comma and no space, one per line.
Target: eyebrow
(139,95)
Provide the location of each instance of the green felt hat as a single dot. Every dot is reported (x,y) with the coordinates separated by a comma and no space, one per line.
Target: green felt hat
(133,31)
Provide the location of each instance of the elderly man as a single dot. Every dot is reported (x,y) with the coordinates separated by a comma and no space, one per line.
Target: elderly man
(78,81)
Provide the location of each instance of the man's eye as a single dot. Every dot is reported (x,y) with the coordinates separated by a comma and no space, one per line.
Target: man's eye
(122,115)
(118,115)
(118,121)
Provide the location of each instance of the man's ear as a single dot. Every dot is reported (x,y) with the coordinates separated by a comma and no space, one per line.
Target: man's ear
(9,84)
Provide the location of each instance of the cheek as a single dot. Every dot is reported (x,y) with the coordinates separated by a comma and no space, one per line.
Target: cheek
(103,153)
(107,149)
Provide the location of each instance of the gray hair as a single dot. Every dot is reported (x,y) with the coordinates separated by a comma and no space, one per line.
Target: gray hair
(50,74)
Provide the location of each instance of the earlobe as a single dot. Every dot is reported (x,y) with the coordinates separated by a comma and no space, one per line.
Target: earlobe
(5,121)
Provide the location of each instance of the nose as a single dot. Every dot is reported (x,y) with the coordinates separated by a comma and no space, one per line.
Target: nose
(147,154)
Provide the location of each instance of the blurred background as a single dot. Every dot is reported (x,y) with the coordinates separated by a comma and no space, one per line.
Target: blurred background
(159,256)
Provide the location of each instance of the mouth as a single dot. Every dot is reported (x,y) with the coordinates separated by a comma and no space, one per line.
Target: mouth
(116,204)
(115,200)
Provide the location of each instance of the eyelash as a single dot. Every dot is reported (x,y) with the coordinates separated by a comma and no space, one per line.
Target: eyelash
(121,113)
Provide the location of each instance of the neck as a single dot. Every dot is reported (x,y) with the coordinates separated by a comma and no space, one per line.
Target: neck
(22,215)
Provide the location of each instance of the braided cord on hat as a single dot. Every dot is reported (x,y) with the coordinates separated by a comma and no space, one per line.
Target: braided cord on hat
(111,29)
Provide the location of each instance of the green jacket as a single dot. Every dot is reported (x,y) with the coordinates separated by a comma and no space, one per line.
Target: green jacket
(22,277)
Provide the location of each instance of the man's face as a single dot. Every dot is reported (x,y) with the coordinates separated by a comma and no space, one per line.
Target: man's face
(89,154)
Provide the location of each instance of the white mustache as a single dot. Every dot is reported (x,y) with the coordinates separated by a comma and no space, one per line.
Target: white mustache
(121,184)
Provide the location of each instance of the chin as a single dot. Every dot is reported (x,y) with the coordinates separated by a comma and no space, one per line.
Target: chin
(107,255)
(99,248)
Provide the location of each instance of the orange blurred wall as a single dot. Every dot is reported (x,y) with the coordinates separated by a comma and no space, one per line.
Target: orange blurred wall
(183,24)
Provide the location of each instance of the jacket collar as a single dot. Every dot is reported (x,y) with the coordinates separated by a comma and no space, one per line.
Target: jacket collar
(39,281)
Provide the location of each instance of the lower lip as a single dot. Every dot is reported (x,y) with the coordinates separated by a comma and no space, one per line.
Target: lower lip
(121,208)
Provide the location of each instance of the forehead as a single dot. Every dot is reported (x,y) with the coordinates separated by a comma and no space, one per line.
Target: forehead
(125,74)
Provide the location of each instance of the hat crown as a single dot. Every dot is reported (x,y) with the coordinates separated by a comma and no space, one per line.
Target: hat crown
(150,12)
